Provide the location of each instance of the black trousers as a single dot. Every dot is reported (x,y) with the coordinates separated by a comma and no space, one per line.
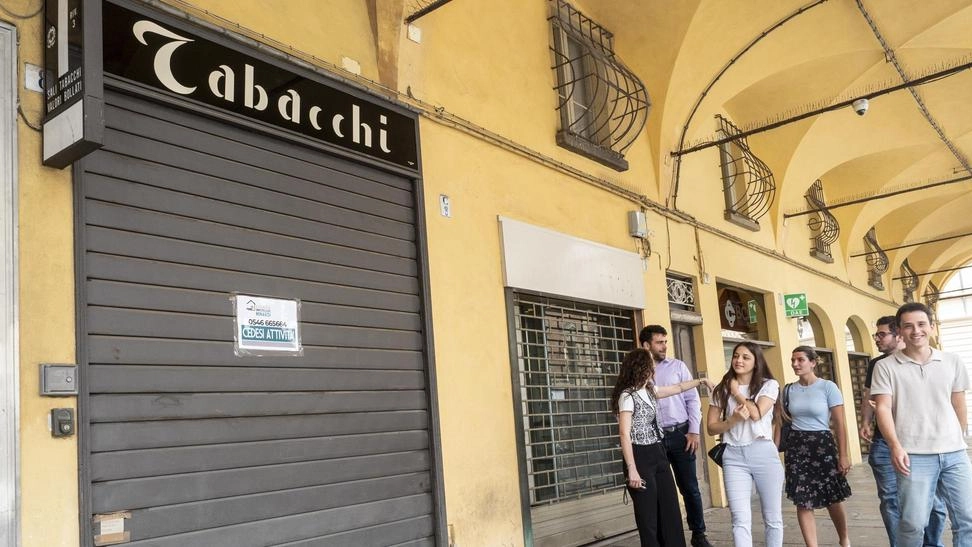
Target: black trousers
(656,506)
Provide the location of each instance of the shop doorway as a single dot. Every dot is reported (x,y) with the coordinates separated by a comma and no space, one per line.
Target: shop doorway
(684,342)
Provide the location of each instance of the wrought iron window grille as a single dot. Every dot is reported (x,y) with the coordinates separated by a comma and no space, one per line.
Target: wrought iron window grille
(603,105)
(747,182)
(681,293)
(909,281)
(877,261)
(931,297)
(823,225)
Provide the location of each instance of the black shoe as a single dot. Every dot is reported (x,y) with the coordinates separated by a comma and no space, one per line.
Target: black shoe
(699,540)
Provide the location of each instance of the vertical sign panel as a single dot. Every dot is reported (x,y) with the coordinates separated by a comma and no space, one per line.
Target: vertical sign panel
(73,124)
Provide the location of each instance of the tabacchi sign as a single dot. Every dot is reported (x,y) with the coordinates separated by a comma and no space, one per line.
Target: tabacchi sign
(140,48)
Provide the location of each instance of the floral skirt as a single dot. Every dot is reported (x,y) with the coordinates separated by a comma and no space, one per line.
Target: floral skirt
(812,478)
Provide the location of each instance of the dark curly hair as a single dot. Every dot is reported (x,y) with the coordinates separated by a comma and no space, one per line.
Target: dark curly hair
(761,373)
(637,369)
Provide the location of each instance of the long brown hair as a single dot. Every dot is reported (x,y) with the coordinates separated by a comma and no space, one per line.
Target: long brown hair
(637,369)
(761,373)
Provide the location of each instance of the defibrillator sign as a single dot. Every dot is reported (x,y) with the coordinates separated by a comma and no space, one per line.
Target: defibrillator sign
(266,325)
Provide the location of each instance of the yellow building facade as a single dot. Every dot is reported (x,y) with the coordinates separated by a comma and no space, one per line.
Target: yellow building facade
(470,305)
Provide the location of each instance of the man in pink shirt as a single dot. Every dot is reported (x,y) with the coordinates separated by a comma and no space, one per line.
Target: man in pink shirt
(679,418)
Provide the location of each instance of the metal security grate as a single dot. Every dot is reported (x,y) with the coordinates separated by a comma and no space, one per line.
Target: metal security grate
(748,183)
(858,373)
(931,297)
(602,102)
(681,293)
(568,355)
(909,281)
(877,260)
(823,225)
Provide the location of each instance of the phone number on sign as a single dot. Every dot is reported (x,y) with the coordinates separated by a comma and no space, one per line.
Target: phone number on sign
(267,323)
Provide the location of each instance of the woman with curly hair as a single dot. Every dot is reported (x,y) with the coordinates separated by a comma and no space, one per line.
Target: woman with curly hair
(742,412)
(648,476)
(815,465)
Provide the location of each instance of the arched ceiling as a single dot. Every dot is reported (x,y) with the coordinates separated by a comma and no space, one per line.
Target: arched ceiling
(825,52)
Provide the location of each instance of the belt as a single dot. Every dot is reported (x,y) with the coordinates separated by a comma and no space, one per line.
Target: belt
(676,427)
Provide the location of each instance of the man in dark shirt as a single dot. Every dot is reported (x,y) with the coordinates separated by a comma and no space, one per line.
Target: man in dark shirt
(887,340)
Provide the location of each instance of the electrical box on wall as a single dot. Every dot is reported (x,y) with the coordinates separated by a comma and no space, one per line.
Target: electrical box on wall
(637,224)
(58,380)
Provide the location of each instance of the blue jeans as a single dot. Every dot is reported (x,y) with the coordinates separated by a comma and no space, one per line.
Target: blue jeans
(950,475)
(887,489)
(757,463)
(683,466)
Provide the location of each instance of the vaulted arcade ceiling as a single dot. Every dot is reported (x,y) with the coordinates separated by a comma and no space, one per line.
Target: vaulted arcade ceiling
(763,62)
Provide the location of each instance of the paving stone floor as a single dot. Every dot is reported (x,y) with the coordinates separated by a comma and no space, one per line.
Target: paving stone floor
(864,520)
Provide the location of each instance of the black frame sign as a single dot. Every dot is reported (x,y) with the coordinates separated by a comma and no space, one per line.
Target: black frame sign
(73,90)
(163,56)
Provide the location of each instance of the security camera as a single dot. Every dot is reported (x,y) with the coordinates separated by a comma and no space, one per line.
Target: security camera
(860,106)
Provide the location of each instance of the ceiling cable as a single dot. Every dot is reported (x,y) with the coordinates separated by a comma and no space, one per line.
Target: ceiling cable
(932,272)
(933,77)
(880,196)
(930,241)
(893,60)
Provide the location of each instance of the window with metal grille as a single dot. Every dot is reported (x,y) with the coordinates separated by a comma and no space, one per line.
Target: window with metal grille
(825,364)
(747,183)
(858,372)
(568,355)
(931,297)
(602,104)
(823,225)
(909,281)
(877,260)
(681,293)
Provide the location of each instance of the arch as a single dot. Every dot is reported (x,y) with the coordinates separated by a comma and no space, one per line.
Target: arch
(822,327)
(860,340)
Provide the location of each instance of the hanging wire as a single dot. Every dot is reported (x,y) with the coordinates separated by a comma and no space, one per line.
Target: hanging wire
(23,116)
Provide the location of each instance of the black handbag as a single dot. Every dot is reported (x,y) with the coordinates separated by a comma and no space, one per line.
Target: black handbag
(716,452)
(787,426)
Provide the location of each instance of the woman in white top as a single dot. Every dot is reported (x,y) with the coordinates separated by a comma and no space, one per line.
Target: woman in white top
(742,412)
(648,476)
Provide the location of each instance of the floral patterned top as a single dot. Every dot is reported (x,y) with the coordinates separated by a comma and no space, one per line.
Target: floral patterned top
(644,420)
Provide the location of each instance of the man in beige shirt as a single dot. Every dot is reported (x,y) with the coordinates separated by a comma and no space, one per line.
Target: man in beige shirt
(919,394)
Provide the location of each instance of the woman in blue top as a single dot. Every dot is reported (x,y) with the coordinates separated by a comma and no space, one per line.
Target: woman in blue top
(815,465)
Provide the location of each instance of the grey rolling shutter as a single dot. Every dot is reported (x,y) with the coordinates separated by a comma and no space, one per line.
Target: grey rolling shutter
(208,449)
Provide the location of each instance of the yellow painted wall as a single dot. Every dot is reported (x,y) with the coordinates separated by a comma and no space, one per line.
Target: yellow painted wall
(469,312)
(327,29)
(480,63)
(48,466)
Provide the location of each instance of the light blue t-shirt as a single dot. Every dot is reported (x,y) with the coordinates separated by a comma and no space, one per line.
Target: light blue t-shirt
(810,405)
